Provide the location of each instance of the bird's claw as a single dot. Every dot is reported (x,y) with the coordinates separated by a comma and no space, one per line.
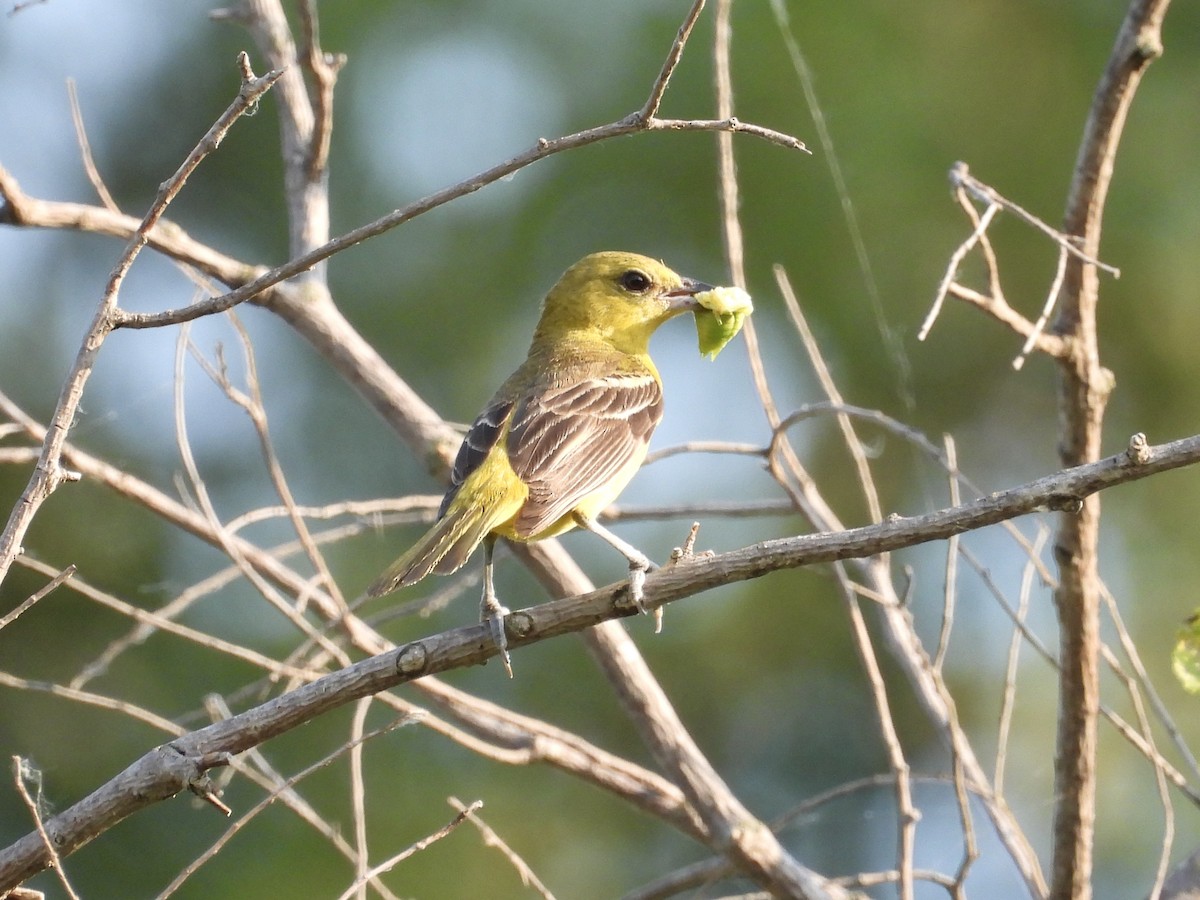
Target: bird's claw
(637,584)
(492,615)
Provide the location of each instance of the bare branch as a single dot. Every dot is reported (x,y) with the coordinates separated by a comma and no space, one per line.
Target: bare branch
(164,771)
(997,307)
(650,108)
(324,68)
(166,237)
(22,771)
(691,797)
(85,151)
(389,864)
(491,839)
(55,582)
(541,150)
(48,474)
(960,176)
(281,790)
(956,259)
(1084,388)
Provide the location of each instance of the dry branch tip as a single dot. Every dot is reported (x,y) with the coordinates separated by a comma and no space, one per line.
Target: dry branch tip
(1138,451)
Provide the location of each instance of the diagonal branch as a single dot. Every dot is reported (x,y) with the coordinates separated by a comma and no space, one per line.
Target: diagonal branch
(541,150)
(650,108)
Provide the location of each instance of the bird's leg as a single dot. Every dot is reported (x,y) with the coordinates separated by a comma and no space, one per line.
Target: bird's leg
(491,610)
(639,563)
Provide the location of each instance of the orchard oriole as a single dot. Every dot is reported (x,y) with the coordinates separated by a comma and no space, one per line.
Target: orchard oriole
(566,432)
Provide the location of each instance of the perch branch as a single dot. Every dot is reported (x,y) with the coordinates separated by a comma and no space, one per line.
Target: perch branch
(169,768)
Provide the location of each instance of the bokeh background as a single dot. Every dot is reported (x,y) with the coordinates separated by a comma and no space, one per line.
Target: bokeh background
(763,673)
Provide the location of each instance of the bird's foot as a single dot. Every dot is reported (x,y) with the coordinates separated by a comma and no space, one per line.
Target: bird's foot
(491,614)
(637,584)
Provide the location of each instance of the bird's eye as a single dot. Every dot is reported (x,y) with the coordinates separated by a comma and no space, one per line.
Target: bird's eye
(635,281)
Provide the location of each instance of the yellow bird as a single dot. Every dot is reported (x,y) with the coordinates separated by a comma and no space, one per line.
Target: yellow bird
(566,432)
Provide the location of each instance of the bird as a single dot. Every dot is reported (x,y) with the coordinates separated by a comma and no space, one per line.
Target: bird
(565,433)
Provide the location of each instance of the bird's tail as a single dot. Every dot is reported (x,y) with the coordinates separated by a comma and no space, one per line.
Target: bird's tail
(443,549)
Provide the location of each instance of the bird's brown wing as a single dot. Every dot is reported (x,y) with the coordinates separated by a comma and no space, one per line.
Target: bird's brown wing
(566,442)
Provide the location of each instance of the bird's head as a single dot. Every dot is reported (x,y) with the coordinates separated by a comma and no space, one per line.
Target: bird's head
(617,297)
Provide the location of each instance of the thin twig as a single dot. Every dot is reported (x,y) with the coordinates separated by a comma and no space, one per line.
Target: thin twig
(1039,326)
(990,260)
(231,547)
(49,474)
(160,622)
(1160,779)
(950,589)
(541,150)
(491,839)
(236,827)
(165,237)
(960,176)
(389,864)
(729,447)
(952,267)
(650,108)
(420,508)
(857,452)
(85,151)
(728,189)
(875,879)
(961,757)
(358,795)
(149,623)
(253,764)
(889,335)
(1143,677)
(709,871)
(54,583)
(1008,699)
(619,512)
(87,698)
(254,407)
(906,812)
(1130,734)
(324,68)
(1053,345)
(21,771)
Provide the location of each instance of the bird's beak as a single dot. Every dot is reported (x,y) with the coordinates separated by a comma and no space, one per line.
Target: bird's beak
(683,298)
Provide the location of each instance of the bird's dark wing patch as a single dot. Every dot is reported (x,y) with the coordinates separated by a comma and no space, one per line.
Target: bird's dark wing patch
(481,438)
(567,442)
